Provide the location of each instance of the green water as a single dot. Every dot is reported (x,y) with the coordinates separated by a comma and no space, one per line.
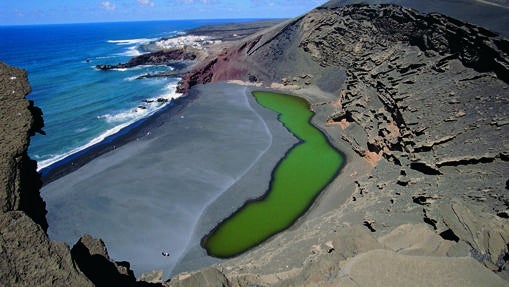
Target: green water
(298,178)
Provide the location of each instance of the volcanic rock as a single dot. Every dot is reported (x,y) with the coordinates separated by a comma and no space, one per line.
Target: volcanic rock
(27,257)
(163,57)
(422,97)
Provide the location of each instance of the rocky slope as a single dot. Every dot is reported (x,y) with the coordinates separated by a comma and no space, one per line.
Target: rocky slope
(424,98)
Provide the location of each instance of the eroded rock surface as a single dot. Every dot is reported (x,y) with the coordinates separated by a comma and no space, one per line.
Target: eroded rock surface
(424,99)
(27,257)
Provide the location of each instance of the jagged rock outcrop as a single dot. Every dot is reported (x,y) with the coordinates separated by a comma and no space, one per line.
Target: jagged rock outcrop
(92,258)
(20,183)
(428,92)
(163,57)
(27,257)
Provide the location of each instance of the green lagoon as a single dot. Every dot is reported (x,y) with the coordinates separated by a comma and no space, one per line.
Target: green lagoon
(296,181)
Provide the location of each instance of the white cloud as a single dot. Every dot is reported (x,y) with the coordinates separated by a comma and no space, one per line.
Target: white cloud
(107,5)
(200,1)
(147,3)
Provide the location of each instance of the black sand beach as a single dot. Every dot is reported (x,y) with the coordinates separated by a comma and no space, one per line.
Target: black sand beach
(149,195)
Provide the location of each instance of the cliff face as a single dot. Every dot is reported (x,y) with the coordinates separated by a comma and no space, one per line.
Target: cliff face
(20,120)
(27,257)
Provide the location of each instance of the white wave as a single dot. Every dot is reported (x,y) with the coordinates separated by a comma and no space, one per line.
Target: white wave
(132,41)
(80,130)
(131,52)
(133,78)
(45,163)
(125,118)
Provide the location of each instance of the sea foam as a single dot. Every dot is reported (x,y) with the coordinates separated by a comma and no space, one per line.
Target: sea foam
(123,119)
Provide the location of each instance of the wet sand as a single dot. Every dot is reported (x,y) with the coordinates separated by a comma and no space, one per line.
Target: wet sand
(162,191)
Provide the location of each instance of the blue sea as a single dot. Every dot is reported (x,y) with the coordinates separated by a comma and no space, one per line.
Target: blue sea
(82,105)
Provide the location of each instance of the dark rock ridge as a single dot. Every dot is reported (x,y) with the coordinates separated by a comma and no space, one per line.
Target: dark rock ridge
(27,257)
(490,14)
(92,258)
(264,57)
(163,57)
(20,120)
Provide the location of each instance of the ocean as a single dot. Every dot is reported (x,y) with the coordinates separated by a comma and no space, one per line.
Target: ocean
(83,105)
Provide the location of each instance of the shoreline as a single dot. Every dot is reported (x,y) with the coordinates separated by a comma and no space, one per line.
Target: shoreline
(233,165)
(132,132)
(224,34)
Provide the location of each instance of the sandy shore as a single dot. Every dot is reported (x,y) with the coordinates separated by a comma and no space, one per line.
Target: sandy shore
(164,191)
(272,254)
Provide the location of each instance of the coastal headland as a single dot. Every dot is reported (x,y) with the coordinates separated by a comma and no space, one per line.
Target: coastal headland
(418,104)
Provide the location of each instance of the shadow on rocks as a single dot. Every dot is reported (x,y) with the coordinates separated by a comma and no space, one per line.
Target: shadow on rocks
(92,258)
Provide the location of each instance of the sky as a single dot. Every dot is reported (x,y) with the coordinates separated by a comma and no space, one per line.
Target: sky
(21,12)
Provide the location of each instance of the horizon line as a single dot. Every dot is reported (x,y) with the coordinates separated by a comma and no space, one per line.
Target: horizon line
(134,21)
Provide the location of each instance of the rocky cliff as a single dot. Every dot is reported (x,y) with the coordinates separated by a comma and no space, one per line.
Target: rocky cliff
(27,256)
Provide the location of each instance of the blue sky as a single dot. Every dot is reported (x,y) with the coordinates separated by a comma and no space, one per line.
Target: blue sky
(16,12)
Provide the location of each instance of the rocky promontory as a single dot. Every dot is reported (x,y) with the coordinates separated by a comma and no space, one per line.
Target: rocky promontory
(162,57)
(181,52)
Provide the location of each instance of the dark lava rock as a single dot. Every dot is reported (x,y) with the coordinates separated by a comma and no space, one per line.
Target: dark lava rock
(19,120)
(163,57)
(93,259)
(27,257)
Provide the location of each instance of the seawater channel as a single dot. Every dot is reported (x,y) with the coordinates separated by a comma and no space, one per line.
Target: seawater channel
(296,181)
